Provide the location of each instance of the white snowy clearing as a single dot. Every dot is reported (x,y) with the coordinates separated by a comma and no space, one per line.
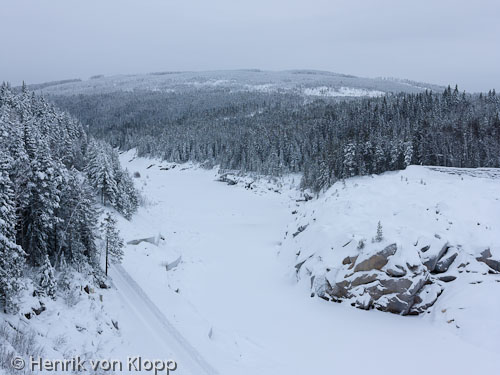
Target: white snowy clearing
(217,265)
(342,91)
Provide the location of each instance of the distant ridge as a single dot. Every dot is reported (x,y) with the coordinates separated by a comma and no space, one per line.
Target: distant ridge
(306,82)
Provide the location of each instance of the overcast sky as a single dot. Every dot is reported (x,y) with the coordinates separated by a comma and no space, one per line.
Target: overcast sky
(437,41)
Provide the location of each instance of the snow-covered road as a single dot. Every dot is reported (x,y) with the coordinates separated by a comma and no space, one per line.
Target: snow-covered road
(154,333)
(235,301)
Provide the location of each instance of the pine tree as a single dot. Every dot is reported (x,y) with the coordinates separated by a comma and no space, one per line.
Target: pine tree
(113,242)
(47,281)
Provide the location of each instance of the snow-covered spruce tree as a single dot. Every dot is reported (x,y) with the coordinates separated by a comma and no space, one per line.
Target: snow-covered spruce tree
(113,184)
(408,154)
(380,159)
(349,160)
(113,244)
(47,282)
(127,199)
(380,235)
(396,155)
(43,184)
(76,234)
(11,255)
(100,172)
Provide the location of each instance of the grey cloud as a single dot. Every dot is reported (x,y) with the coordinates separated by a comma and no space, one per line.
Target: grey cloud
(438,41)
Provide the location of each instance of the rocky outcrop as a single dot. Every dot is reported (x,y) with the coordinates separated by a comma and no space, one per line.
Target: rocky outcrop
(376,279)
(387,277)
(367,281)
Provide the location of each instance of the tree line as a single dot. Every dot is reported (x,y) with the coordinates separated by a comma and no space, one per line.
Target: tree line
(51,173)
(277,133)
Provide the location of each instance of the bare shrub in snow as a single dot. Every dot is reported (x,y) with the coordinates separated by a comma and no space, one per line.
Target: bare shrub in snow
(361,244)
(23,343)
(71,298)
(145,201)
(60,341)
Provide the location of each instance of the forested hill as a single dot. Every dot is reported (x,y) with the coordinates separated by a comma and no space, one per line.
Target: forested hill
(51,173)
(279,132)
(300,82)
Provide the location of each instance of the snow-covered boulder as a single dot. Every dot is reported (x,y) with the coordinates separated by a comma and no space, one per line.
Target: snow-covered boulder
(486,258)
(376,261)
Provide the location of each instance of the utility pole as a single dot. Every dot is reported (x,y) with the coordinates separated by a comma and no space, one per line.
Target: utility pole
(107,245)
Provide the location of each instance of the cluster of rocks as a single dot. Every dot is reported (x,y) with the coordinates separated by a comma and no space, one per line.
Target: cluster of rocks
(387,282)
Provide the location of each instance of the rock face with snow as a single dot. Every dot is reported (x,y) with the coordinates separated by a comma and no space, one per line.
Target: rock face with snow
(430,243)
(369,281)
(375,280)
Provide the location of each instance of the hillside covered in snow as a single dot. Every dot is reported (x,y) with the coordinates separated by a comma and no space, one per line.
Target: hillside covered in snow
(420,241)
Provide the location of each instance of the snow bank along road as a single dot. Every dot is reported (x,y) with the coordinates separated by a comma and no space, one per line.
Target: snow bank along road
(232,298)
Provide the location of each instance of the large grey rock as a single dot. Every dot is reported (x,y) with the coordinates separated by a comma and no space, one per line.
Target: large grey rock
(486,257)
(432,260)
(349,260)
(377,260)
(393,304)
(426,297)
(339,290)
(445,263)
(364,279)
(447,278)
(151,240)
(396,271)
(172,265)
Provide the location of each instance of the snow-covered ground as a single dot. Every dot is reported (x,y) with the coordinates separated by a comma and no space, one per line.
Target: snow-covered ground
(221,270)
(342,92)
(93,324)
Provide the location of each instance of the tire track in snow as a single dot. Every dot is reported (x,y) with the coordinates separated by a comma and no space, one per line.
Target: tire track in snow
(190,352)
